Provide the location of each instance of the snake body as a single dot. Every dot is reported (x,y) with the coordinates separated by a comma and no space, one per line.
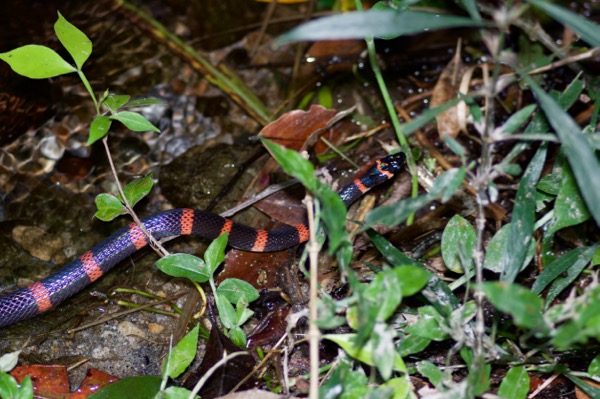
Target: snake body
(73,277)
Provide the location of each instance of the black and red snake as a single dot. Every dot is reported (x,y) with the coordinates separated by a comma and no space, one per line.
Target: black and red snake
(72,278)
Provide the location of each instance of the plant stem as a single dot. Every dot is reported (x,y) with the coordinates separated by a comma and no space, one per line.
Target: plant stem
(87,85)
(387,99)
(153,242)
(314,335)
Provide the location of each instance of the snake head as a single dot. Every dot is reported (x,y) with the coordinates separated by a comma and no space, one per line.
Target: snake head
(393,163)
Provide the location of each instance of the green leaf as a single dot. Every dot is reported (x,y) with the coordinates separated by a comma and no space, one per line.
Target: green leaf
(215,253)
(523,218)
(584,27)
(431,372)
(576,258)
(384,351)
(26,390)
(364,353)
(74,40)
(242,311)
(515,384)
(383,291)
(176,393)
(226,312)
(412,279)
(334,217)
(143,102)
(137,189)
(497,250)
(234,289)
(458,242)
(8,386)
(116,101)
(523,305)
(134,121)
(592,391)
(580,154)
(584,320)
(517,119)
(109,207)
(412,344)
(182,355)
(427,116)
(293,164)
(145,387)
(99,128)
(594,367)
(8,361)
(569,207)
(437,291)
(373,23)
(237,336)
(184,265)
(36,62)
(430,324)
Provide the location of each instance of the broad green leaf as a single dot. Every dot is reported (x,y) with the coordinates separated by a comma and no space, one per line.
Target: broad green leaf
(523,305)
(184,265)
(215,253)
(143,102)
(592,391)
(594,367)
(569,207)
(517,119)
(36,62)
(334,217)
(176,393)
(400,386)
(116,101)
(182,355)
(384,292)
(293,164)
(412,279)
(384,351)
(431,372)
(74,40)
(364,353)
(134,121)
(242,311)
(8,386)
(234,289)
(497,251)
(584,322)
(429,324)
(145,387)
(584,27)
(237,336)
(26,389)
(576,258)
(99,128)
(515,384)
(584,163)
(564,281)
(523,218)
(374,23)
(226,312)
(109,207)
(8,361)
(436,291)
(412,344)
(138,188)
(458,242)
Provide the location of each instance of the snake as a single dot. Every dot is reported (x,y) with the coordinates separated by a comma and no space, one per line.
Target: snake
(47,293)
